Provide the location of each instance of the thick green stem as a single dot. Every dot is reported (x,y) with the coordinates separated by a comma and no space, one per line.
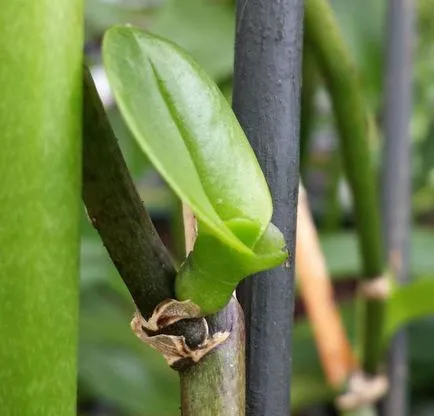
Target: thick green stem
(144,264)
(352,119)
(40,123)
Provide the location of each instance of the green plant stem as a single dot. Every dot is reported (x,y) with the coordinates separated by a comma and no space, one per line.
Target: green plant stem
(217,386)
(40,119)
(144,264)
(352,119)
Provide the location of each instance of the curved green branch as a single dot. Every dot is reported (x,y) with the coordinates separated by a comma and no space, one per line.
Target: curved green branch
(353,124)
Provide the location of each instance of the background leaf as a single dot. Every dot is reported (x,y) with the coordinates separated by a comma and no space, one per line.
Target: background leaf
(407,303)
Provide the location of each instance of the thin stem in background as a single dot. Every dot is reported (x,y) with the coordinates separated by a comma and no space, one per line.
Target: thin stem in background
(353,122)
(266,100)
(396,182)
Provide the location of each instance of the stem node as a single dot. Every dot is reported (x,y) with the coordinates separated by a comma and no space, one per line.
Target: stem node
(165,331)
(362,390)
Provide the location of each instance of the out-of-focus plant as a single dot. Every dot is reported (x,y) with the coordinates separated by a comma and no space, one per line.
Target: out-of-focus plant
(40,124)
(364,36)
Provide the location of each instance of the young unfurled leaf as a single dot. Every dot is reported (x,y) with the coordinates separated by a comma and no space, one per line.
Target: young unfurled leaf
(188,131)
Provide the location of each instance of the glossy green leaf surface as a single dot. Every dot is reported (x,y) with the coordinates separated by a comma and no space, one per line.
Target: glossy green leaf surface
(188,131)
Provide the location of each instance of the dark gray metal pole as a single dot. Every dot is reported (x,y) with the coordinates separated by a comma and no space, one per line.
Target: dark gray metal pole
(396,182)
(266,101)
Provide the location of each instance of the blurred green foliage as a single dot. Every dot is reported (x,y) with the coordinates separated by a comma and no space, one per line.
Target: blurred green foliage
(115,368)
